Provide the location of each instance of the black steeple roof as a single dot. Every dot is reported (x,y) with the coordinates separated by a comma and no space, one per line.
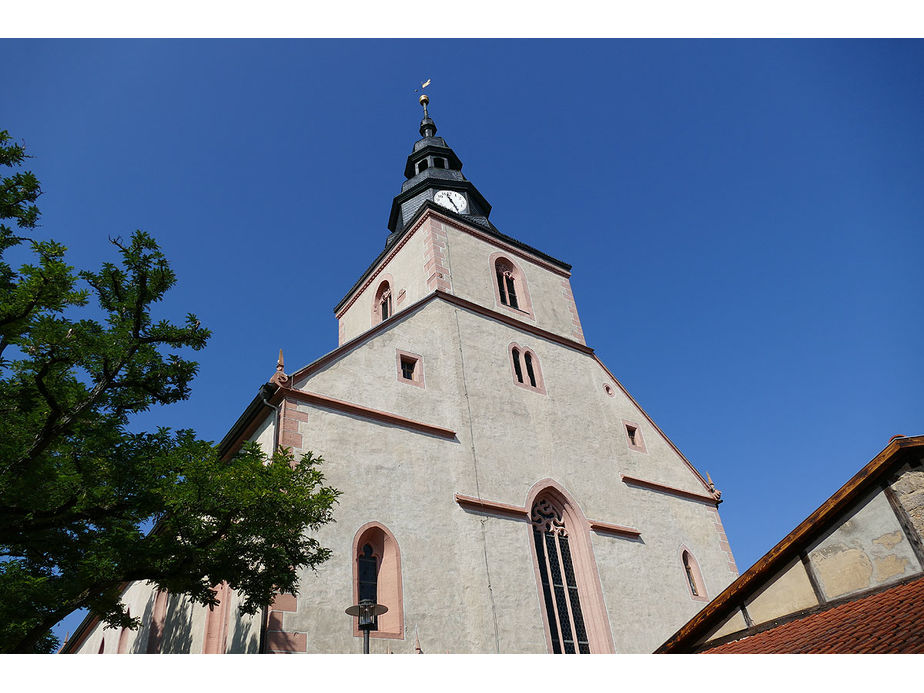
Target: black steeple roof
(433,167)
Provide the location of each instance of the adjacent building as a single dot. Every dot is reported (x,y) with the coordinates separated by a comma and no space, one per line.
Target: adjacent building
(849,579)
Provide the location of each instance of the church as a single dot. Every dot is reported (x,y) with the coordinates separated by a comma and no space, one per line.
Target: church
(501,491)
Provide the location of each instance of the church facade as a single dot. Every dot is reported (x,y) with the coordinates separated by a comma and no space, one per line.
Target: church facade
(501,491)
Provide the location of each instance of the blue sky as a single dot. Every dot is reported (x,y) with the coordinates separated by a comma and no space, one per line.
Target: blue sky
(744,218)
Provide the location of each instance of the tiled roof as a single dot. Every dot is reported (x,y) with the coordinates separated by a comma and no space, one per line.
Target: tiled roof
(891,621)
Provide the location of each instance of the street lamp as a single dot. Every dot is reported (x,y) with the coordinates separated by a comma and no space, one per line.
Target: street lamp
(366,611)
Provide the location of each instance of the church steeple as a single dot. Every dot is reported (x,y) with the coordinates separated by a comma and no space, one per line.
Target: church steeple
(434,175)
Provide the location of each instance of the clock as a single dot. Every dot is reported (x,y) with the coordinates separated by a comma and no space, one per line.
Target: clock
(450,199)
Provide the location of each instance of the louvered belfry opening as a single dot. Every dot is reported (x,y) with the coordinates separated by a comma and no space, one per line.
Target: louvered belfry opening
(559,587)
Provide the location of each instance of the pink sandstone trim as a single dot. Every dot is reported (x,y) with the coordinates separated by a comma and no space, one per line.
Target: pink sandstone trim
(375,273)
(281,642)
(497,243)
(366,412)
(216,622)
(590,591)
(384,278)
(493,507)
(576,330)
(619,530)
(618,384)
(285,601)
(723,541)
(520,513)
(639,445)
(158,616)
(436,255)
(432,214)
(632,481)
(537,368)
(123,637)
(418,368)
(519,282)
(389,584)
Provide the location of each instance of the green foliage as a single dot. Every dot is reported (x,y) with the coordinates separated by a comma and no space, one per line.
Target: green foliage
(77,488)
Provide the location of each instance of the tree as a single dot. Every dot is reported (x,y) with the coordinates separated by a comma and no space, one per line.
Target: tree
(79,492)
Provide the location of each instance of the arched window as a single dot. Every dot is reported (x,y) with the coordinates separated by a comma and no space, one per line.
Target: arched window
(559,584)
(382,305)
(158,616)
(123,638)
(566,573)
(506,282)
(510,284)
(693,576)
(526,371)
(377,576)
(216,621)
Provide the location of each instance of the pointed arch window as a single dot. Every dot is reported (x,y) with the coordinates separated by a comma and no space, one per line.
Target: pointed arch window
(382,305)
(510,288)
(158,616)
(216,621)
(526,371)
(377,576)
(123,638)
(559,586)
(569,586)
(693,576)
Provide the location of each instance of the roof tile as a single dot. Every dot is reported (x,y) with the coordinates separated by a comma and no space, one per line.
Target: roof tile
(889,621)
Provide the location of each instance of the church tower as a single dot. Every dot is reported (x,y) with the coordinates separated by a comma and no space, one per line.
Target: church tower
(501,491)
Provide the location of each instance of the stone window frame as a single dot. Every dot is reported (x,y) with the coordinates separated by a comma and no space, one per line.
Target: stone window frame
(418,379)
(639,444)
(388,579)
(537,368)
(524,302)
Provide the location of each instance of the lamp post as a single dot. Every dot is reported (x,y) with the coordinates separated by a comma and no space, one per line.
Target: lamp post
(366,611)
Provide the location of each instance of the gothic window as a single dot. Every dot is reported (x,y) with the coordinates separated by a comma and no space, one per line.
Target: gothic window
(367,571)
(510,288)
(377,576)
(526,369)
(693,575)
(528,358)
(517,370)
(557,575)
(382,303)
(216,621)
(158,616)
(123,638)
(506,282)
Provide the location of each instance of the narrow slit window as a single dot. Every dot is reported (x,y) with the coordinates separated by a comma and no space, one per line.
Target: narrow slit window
(516,365)
(511,291)
(694,576)
(528,358)
(382,305)
(510,286)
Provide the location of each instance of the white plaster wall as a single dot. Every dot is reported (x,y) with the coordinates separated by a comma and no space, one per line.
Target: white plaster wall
(574,435)
(473,278)
(184,625)
(407,269)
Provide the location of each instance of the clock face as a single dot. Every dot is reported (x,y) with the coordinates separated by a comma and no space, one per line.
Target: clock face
(450,199)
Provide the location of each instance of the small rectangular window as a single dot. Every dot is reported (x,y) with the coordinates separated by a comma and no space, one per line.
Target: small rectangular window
(410,368)
(634,437)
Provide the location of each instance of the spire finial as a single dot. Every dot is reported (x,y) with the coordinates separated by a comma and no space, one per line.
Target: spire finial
(427,126)
(280,377)
(424,100)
